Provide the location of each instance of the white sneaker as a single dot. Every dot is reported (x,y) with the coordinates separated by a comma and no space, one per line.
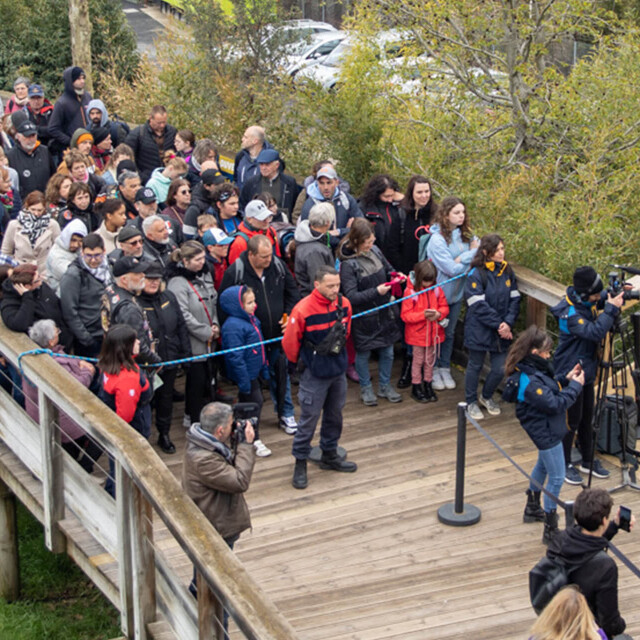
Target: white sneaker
(447,380)
(186,421)
(492,408)
(262,451)
(475,411)
(289,425)
(438,382)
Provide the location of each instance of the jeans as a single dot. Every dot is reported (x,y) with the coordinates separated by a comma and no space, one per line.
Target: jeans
(444,361)
(550,463)
(385,362)
(281,398)
(579,418)
(472,376)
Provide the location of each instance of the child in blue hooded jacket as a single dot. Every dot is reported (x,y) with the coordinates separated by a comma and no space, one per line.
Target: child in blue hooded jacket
(245,366)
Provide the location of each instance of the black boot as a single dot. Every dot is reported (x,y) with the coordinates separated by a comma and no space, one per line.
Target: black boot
(417,393)
(331,460)
(550,526)
(404,382)
(300,475)
(429,393)
(533,512)
(165,443)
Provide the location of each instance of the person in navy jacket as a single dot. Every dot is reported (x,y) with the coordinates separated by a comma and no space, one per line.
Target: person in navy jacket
(493,303)
(244,367)
(541,404)
(581,333)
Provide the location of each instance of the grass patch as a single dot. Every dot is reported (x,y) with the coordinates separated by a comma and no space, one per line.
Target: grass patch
(57,600)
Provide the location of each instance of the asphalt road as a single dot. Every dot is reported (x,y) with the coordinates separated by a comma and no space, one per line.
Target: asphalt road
(144,26)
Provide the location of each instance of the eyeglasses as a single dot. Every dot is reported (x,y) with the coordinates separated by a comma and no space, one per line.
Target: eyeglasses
(134,243)
(93,256)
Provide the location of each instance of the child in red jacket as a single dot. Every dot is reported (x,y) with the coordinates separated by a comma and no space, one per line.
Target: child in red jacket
(424,321)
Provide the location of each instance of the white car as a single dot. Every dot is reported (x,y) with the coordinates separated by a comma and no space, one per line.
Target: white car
(313,52)
(327,72)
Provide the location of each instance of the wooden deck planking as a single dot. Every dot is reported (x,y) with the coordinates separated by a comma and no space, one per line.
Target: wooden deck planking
(363,557)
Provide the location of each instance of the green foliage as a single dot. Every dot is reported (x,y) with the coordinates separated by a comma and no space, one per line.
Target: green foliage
(58,602)
(35,40)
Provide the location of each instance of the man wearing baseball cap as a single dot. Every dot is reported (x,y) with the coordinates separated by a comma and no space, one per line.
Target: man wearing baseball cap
(30,159)
(120,305)
(257,219)
(39,110)
(146,205)
(326,188)
(271,179)
(216,243)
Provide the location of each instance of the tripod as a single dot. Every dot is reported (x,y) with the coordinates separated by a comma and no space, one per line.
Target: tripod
(614,373)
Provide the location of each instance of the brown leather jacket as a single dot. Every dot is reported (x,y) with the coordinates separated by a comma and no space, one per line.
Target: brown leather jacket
(216,485)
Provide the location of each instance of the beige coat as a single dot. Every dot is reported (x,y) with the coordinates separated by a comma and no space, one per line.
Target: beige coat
(17,245)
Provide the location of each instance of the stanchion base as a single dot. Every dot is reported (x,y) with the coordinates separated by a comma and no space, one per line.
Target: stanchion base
(316,454)
(470,515)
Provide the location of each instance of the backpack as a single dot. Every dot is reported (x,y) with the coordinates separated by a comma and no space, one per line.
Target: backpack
(609,433)
(239,269)
(423,241)
(118,129)
(549,576)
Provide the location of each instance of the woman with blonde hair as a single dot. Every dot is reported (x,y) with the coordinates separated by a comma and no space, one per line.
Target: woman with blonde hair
(567,617)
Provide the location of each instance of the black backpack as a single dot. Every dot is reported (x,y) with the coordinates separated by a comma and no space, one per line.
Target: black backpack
(549,576)
(609,434)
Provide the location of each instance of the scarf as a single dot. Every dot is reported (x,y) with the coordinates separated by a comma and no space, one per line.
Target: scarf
(33,226)
(540,364)
(203,438)
(101,272)
(492,266)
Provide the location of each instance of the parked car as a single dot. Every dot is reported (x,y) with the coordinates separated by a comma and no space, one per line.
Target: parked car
(314,52)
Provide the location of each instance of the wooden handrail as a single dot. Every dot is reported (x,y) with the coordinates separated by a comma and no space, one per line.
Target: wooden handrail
(136,461)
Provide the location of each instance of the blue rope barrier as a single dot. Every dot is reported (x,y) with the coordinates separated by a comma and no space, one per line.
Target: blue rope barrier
(216,354)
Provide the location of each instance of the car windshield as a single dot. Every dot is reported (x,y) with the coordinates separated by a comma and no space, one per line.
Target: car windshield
(335,58)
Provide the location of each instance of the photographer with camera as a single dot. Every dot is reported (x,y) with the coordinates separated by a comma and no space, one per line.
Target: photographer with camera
(583,549)
(217,467)
(581,332)
(317,332)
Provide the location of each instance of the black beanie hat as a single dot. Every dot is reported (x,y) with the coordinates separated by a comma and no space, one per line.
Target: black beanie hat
(76,72)
(126,165)
(586,281)
(99,134)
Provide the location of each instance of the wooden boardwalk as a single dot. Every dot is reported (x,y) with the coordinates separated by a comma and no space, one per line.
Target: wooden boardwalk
(363,557)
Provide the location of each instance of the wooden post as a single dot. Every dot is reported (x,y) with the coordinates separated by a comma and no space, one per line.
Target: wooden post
(52,474)
(210,612)
(123,512)
(81,37)
(536,313)
(143,563)
(9,564)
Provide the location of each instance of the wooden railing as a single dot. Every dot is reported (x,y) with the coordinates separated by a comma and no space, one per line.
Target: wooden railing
(145,489)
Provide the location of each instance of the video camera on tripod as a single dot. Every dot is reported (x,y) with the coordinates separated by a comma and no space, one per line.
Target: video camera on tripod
(618,283)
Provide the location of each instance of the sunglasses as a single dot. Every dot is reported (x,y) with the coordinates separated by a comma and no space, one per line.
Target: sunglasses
(183,191)
(133,243)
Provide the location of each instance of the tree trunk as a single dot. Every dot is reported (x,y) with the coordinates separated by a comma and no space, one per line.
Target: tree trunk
(81,37)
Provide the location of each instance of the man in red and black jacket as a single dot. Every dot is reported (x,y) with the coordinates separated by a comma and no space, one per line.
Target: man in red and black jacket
(317,331)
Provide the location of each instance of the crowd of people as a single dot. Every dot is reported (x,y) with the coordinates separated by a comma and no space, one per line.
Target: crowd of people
(130,245)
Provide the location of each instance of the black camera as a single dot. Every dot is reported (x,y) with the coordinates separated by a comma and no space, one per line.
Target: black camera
(242,412)
(617,282)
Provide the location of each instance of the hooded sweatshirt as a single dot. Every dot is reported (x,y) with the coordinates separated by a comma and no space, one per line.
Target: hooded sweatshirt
(312,251)
(60,257)
(240,329)
(68,112)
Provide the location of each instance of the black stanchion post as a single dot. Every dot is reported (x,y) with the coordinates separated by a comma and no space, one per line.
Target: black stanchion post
(568,513)
(459,514)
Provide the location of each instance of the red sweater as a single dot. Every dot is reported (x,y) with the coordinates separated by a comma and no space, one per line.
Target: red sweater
(240,244)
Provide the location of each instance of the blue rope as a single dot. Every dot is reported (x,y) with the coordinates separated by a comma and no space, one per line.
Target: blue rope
(216,354)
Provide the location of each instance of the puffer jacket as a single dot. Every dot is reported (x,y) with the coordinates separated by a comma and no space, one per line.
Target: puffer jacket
(68,112)
(418,330)
(312,251)
(382,215)
(443,254)
(197,299)
(581,333)
(216,482)
(360,275)
(241,329)
(145,148)
(492,297)
(541,403)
